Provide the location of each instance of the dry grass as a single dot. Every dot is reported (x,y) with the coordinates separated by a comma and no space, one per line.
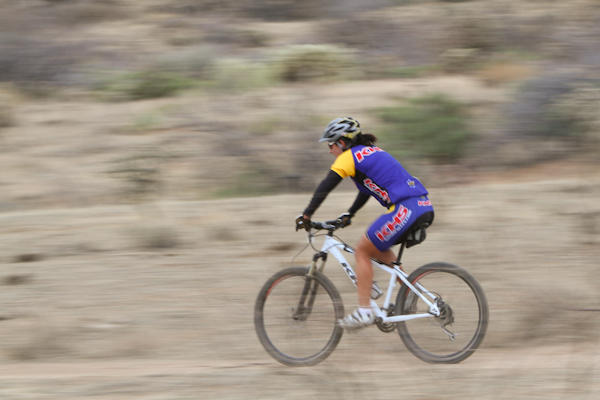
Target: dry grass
(504,72)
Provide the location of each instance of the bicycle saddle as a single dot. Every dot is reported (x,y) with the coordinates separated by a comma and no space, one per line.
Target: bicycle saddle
(416,234)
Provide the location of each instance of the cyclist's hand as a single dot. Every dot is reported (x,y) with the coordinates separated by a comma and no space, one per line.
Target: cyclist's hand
(344,220)
(303,222)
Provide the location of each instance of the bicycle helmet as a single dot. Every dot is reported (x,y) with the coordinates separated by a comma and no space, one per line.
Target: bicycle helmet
(345,127)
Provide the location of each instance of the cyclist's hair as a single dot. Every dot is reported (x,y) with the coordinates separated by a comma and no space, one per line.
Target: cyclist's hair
(365,139)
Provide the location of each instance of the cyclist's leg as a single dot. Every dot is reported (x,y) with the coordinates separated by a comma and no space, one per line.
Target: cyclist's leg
(364,270)
(383,233)
(376,243)
(363,315)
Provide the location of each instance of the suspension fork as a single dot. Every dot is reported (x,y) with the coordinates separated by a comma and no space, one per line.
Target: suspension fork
(310,287)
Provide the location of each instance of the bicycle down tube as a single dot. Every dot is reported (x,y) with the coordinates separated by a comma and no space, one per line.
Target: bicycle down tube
(332,246)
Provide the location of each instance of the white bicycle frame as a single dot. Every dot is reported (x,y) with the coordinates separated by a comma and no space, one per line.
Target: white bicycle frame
(332,246)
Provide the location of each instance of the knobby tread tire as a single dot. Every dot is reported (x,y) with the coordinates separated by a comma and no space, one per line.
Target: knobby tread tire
(262,333)
(480,331)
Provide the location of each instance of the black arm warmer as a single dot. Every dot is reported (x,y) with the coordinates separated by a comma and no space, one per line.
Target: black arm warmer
(327,185)
(360,201)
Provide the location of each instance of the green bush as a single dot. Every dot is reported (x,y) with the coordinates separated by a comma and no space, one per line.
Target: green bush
(239,75)
(150,84)
(144,85)
(314,62)
(434,127)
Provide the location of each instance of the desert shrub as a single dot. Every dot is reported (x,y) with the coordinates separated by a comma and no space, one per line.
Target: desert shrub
(87,11)
(165,76)
(266,126)
(240,75)
(28,257)
(241,37)
(17,279)
(282,10)
(498,31)
(384,67)
(273,10)
(140,175)
(194,62)
(6,116)
(256,179)
(551,106)
(34,54)
(314,62)
(579,109)
(26,60)
(409,41)
(187,7)
(152,83)
(155,236)
(459,60)
(146,84)
(433,126)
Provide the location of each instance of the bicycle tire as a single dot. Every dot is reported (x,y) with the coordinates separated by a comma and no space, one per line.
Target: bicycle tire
(469,314)
(285,336)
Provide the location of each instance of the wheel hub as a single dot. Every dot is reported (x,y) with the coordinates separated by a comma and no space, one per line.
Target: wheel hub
(446,317)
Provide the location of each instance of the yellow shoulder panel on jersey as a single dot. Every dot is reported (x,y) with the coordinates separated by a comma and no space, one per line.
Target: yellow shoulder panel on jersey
(344,164)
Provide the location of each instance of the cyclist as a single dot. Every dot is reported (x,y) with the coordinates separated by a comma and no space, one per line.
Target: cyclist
(376,174)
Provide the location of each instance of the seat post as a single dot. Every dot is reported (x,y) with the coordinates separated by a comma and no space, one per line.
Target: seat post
(398,262)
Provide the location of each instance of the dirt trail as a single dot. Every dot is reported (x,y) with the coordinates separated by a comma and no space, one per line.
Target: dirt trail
(155,302)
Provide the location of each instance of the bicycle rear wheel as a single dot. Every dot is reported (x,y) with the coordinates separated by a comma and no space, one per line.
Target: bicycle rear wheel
(461,326)
(295,317)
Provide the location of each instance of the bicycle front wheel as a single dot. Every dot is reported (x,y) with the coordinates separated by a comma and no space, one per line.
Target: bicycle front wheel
(296,315)
(456,333)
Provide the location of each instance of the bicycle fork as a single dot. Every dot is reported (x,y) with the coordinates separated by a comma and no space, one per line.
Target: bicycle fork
(309,291)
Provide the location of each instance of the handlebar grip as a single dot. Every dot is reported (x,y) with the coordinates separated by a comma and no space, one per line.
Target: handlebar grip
(328,225)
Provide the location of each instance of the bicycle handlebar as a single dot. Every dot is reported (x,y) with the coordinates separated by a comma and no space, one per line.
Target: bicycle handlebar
(331,225)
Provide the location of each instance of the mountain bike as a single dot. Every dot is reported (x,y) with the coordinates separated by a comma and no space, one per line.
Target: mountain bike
(440,310)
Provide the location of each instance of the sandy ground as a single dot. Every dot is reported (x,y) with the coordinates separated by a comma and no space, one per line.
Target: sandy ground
(155,301)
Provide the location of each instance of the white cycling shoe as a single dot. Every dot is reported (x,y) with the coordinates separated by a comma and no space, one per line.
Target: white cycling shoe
(359,318)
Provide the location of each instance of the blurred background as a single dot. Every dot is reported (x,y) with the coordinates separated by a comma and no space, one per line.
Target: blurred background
(155,153)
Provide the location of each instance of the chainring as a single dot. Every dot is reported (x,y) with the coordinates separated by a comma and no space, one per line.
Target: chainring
(389,326)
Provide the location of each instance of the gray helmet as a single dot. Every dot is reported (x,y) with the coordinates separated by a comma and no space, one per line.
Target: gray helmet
(345,127)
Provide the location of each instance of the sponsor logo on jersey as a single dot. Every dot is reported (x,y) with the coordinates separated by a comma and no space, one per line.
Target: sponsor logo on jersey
(424,203)
(365,152)
(399,220)
(411,183)
(372,186)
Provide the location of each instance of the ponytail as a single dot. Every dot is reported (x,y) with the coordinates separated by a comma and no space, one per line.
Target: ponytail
(364,139)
